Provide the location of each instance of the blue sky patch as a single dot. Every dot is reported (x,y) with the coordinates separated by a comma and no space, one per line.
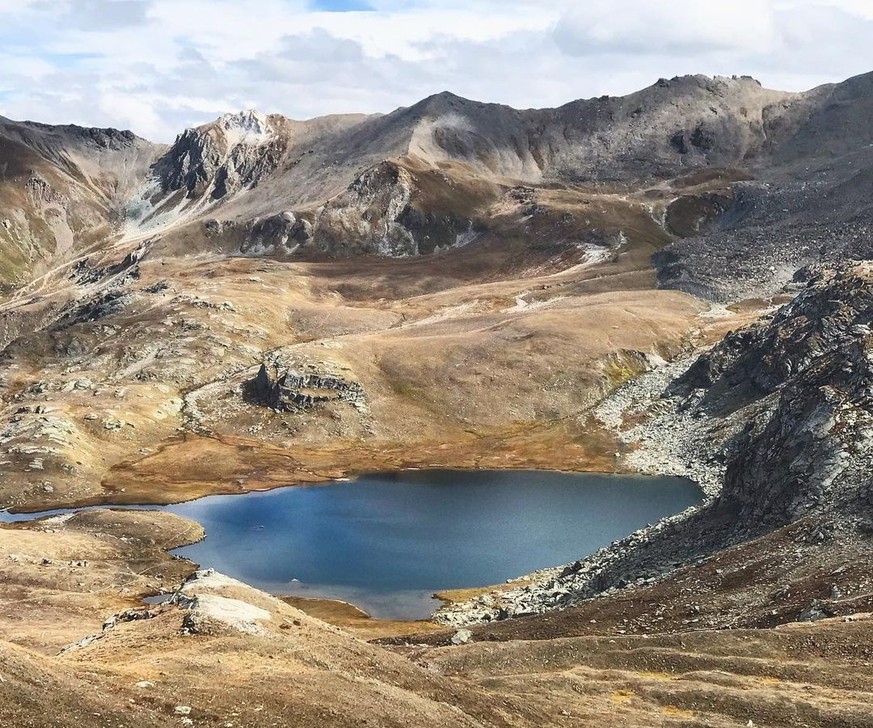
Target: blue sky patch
(340,6)
(66,60)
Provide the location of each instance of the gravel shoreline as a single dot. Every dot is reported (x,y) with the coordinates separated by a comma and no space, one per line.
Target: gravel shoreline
(668,440)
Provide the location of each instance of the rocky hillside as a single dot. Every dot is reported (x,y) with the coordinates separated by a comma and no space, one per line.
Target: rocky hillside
(809,203)
(220,653)
(62,189)
(472,223)
(801,380)
(675,125)
(762,181)
(390,184)
(784,406)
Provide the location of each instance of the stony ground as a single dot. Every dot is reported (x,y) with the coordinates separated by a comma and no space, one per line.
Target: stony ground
(136,390)
(275,665)
(517,321)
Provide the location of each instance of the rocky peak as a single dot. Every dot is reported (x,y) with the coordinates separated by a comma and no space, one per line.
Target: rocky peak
(709,83)
(234,152)
(245,127)
(443,101)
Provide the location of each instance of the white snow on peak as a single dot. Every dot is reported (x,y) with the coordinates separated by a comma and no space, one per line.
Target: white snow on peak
(246,127)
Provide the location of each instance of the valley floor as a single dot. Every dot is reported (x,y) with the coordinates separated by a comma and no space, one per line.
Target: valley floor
(139,395)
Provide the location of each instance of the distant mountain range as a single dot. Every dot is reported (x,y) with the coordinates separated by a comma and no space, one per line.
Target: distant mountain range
(715,154)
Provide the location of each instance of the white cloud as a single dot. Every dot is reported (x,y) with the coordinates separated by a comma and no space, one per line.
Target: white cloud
(131,112)
(15,6)
(25,66)
(668,26)
(159,65)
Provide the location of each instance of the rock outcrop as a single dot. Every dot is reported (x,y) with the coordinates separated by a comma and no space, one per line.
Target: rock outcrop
(296,389)
(379,214)
(232,153)
(786,404)
(802,381)
(283,233)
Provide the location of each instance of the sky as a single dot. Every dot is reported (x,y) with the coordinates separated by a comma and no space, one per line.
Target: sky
(159,66)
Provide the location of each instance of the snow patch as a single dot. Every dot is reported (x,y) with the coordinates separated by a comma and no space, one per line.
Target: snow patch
(521,304)
(245,127)
(55,521)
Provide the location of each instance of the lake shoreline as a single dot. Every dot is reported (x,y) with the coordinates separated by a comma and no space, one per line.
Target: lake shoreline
(497,555)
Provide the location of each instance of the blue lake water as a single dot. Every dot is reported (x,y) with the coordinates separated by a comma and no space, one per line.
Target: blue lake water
(387,542)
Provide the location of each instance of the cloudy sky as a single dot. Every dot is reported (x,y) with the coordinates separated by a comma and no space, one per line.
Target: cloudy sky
(157,66)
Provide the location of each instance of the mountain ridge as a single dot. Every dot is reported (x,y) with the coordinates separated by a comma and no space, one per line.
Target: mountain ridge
(590,288)
(445,144)
(309,163)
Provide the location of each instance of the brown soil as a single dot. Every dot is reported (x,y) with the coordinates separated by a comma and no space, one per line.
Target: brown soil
(357,621)
(294,670)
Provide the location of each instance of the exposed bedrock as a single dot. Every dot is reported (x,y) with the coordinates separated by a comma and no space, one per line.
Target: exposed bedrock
(800,383)
(786,404)
(284,232)
(381,213)
(294,389)
(232,153)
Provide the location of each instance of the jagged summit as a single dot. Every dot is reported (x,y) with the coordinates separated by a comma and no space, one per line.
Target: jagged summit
(324,170)
(246,127)
(701,79)
(210,161)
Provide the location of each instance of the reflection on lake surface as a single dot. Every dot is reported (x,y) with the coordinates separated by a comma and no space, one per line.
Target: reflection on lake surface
(387,542)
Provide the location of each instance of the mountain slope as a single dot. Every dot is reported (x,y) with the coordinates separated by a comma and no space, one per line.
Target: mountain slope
(434,175)
(270,185)
(461,285)
(809,203)
(781,410)
(62,189)
(668,128)
(450,212)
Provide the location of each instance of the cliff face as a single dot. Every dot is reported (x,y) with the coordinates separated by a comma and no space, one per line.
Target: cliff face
(795,388)
(380,213)
(834,311)
(288,389)
(805,377)
(231,154)
(786,405)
